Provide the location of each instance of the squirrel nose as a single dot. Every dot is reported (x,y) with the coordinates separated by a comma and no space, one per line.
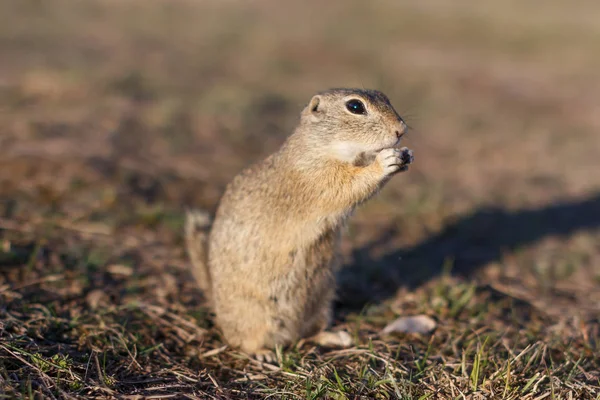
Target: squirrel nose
(403,128)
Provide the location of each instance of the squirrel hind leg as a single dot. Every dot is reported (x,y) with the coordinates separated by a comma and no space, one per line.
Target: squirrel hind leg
(197,225)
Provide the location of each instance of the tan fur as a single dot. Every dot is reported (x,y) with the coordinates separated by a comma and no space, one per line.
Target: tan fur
(272,251)
(197,224)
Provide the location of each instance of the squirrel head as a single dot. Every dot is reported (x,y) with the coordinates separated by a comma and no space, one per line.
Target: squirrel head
(351,124)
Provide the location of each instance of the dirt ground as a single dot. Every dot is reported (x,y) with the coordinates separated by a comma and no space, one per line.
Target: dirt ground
(117,115)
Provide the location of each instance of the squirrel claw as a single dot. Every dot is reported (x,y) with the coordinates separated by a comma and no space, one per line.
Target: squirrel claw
(395,160)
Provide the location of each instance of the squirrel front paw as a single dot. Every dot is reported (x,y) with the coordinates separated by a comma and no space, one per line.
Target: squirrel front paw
(394,160)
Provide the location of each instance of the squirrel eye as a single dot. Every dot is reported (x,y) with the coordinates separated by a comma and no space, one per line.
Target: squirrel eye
(356,107)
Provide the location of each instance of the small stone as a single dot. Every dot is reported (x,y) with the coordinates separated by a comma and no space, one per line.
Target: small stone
(413,324)
(120,269)
(95,297)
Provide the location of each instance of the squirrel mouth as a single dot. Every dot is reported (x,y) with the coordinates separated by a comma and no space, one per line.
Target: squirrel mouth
(393,144)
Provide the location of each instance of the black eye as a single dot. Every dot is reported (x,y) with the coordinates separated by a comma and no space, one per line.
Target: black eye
(356,107)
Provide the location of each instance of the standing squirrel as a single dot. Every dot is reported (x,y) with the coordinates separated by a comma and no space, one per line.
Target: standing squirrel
(267,266)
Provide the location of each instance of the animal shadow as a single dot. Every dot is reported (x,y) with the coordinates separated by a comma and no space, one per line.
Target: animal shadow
(471,242)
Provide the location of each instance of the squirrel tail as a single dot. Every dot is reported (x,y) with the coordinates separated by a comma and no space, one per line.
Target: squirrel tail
(197,225)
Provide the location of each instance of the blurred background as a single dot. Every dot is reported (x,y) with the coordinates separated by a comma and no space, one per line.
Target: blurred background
(106,104)
(115,115)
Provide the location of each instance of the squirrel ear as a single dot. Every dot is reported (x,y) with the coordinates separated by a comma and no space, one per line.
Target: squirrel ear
(313,106)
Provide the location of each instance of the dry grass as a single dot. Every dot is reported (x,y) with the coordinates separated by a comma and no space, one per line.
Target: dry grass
(115,115)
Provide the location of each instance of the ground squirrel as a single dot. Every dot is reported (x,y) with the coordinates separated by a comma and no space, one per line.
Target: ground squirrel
(268,263)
